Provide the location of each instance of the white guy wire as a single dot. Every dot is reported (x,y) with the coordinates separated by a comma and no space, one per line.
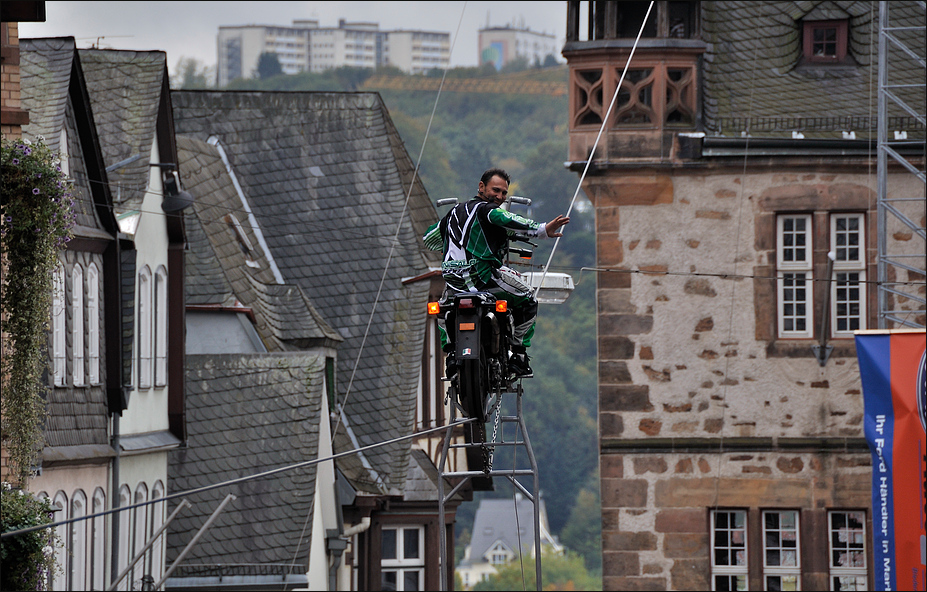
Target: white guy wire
(595,144)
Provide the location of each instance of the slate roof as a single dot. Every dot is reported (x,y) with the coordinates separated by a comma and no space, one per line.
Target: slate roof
(753,68)
(76,416)
(125,90)
(217,269)
(247,414)
(46,69)
(506,520)
(327,176)
(422,480)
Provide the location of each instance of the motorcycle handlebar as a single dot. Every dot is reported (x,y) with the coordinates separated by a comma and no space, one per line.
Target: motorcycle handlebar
(515,199)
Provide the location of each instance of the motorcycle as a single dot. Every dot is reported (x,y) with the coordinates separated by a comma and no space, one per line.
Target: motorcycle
(481,328)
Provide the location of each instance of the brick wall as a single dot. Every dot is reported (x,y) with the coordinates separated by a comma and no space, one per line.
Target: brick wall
(13,117)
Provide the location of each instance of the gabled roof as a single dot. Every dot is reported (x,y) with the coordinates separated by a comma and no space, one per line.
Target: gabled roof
(126,89)
(508,521)
(327,176)
(219,271)
(247,414)
(45,67)
(753,66)
(54,91)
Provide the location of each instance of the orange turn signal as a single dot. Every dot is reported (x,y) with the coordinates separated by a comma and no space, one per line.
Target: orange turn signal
(434,308)
(502,306)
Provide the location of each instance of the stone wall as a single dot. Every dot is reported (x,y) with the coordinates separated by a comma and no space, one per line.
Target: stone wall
(655,510)
(690,365)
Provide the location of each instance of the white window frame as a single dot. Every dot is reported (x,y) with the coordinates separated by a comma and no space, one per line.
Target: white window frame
(791,263)
(156,557)
(852,549)
(93,323)
(850,260)
(144,328)
(499,554)
(78,572)
(125,532)
(140,530)
(160,327)
(98,542)
(784,542)
(402,565)
(735,537)
(62,551)
(78,377)
(59,327)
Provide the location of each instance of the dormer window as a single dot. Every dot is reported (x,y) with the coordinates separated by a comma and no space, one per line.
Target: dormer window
(824,41)
(242,238)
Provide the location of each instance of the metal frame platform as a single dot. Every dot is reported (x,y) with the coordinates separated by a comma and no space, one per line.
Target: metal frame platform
(520,439)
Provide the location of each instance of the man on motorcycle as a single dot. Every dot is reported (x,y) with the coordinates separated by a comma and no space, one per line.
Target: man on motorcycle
(473,236)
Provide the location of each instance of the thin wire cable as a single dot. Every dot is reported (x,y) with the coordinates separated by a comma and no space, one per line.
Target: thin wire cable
(238,480)
(591,156)
(730,325)
(729,276)
(389,259)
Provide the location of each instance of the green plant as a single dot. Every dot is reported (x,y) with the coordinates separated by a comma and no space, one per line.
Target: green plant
(36,218)
(28,560)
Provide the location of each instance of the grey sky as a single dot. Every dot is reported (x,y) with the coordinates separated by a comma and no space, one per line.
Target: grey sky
(189,29)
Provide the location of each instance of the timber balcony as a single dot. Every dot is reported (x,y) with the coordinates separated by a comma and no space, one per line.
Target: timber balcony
(658,99)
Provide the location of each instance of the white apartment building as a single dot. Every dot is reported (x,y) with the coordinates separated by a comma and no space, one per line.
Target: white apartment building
(417,52)
(305,46)
(240,47)
(501,45)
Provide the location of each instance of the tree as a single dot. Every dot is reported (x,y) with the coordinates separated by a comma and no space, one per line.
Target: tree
(190,74)
(518,64)
(558,572)
(268,66)
(583,531)
(550,61)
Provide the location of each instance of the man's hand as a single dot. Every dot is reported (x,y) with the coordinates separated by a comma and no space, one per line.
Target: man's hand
(555,225)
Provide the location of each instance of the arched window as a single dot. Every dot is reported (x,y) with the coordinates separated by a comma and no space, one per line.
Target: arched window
(98,542)
(77,324)
(60,577)
(78,571)
(141,530)
(144,328)
(125,532)
(160,327)
(93,324)
(156,565)
(59,339)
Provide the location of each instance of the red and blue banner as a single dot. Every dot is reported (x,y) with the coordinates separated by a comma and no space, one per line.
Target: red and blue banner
(892,369)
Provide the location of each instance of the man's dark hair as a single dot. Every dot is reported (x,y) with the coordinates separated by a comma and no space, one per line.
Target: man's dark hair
(495,172)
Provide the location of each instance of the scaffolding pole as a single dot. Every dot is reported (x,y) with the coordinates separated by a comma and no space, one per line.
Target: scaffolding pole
(511,474)
(895,49)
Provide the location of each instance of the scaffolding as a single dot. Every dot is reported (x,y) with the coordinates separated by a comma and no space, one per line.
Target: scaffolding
(901,50)
(520,439)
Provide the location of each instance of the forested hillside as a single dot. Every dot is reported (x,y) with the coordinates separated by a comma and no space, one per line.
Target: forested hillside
(524,130)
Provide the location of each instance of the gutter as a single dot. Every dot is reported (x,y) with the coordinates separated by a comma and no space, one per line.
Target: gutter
(723,146)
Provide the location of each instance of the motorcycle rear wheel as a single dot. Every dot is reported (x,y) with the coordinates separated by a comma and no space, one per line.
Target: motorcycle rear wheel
(472,384)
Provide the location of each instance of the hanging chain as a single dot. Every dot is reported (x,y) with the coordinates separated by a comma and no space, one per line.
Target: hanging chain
(495,429)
